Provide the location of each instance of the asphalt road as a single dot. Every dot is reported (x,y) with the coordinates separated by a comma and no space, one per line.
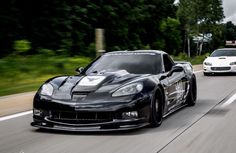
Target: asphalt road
(208,127)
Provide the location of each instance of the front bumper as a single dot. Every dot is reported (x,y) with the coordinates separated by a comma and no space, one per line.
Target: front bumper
(49,114)
(219,69)
(115,125)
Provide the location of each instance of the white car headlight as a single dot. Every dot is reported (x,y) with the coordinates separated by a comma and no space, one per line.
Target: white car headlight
(207,63)
(128,90)
(47,89)
(232,63)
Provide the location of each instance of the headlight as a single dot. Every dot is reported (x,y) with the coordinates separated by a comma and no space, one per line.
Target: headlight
(47,89)
(232,63)
(207,63)
(128,90)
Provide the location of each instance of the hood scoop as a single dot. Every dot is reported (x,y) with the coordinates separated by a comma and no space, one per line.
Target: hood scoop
(118,73)
(91,80)
(222,57)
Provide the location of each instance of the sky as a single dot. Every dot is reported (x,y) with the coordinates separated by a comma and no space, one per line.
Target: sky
(229,10)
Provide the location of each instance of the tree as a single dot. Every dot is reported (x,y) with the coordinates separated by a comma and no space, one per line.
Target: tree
(187,20)
(9,26)
(170,29)
(230,31)
(210,15)
(200,17)
(68,26)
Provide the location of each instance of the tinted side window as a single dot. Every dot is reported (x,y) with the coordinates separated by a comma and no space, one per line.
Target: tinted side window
(168,63)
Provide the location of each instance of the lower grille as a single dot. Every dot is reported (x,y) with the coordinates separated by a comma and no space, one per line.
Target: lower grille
(82,117)
(220,68)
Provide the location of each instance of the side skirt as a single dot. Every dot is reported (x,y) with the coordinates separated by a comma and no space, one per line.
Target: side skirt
(174,110)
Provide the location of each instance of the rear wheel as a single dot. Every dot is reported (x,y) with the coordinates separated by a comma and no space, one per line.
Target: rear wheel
(192,94)
(156,114)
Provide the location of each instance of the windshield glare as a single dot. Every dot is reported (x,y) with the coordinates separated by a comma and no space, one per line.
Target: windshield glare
(136,63)
(218,53)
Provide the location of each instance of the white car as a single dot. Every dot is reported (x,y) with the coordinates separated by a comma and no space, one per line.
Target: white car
(220,61)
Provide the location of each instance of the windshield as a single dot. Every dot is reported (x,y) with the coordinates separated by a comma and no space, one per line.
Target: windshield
(218,53)
(136,63)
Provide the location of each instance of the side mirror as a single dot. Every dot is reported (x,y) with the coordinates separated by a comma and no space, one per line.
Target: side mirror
(79,70)
(175,68)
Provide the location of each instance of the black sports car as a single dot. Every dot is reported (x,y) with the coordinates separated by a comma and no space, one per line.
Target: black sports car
(118,91)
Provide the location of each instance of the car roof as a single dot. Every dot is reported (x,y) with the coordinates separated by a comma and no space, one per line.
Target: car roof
(222,49)
(138,51)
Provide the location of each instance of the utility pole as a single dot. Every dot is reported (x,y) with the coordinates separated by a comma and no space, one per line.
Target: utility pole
(99,38)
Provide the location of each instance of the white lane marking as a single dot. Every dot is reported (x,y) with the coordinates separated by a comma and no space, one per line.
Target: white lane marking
(15,115)
(198,71)
(229,101)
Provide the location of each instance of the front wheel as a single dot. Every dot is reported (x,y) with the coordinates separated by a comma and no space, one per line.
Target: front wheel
(156,115)
(192,94)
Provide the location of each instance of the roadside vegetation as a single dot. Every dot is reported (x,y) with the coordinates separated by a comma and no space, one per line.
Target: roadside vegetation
(193,60)
(27,73)
(67,27)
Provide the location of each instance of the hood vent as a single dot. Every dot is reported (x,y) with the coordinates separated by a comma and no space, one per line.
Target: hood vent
(222,58)
(77,96)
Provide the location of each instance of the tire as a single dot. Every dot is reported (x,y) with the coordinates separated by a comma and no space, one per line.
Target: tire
(192,94)
(156,115)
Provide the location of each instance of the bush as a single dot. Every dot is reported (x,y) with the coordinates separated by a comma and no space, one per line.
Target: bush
(22,46)
(183,56)
(91,50)
(46,52)
(193,60)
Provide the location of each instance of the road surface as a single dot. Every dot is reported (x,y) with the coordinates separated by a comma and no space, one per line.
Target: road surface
(208,127)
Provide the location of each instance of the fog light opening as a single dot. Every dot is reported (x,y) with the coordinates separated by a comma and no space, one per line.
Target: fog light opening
(128,115)
(38,112)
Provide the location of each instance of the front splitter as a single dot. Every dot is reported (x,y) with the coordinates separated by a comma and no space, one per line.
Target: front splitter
(90,129)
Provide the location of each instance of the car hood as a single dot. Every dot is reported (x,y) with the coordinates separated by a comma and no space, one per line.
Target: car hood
(83,85)
(221,61)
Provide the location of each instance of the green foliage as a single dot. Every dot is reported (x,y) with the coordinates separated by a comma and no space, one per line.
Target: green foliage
(22,46)
(91,50)
(230,31)
(20,74)
(159,44)
(170,29)
(200,17)
(46,52)
(183,56)
(147,47)
(193,60)
(68,27)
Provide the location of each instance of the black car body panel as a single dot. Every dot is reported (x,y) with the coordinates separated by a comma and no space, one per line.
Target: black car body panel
(86,102)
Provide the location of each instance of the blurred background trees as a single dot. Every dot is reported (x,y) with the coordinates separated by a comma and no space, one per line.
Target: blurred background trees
(63,27)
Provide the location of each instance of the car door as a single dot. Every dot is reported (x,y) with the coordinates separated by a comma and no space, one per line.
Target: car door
(174,82)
